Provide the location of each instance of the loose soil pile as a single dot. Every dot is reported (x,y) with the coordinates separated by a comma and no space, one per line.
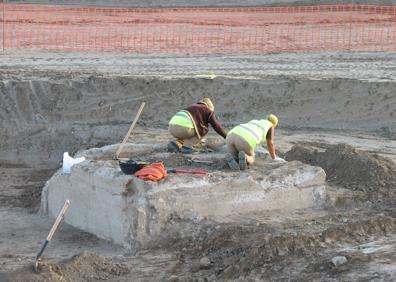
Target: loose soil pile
(238,252)
(349,168)
(83,267)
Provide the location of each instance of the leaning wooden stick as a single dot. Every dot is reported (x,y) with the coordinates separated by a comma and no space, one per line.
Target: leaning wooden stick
(51,233)
(129,131)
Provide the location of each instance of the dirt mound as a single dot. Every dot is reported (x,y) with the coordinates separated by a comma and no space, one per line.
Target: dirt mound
(349,168)
(262,248)
(83,267)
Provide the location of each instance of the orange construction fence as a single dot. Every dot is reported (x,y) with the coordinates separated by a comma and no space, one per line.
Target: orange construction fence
(216,30)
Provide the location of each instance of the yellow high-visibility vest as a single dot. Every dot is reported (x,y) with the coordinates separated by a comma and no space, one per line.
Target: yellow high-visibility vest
(183,119)
(253,132)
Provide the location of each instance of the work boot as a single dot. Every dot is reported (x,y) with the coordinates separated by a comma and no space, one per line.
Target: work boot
(187,150)
(242,160)
(174,147)
(232,162)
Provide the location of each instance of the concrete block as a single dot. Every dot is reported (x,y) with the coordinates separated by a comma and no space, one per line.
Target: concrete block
(132,215)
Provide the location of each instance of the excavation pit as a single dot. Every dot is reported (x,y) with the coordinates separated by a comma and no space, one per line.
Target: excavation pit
(132,212)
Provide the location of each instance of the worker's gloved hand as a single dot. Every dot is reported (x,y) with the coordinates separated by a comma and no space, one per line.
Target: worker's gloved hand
(279,159)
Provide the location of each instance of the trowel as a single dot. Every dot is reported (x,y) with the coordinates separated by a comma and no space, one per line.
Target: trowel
(51,233)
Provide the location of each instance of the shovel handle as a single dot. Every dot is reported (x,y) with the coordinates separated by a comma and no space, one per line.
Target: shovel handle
(54,227)
(58,220)
(118,152)
(42,249)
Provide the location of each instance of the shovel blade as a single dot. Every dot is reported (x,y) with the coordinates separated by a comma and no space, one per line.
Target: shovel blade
(36,265)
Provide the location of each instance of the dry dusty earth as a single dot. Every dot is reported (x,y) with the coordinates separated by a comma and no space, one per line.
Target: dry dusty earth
(358,222)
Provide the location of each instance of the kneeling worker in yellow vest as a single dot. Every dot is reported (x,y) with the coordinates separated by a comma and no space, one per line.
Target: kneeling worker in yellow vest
(192,124)
(243,139)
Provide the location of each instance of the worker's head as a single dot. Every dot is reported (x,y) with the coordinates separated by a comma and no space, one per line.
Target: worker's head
(273,119)
(208,103)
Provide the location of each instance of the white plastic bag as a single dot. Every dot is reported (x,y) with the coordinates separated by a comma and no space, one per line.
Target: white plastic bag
(68,162)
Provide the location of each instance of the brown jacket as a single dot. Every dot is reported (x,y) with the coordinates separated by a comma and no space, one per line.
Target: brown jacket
(203,116)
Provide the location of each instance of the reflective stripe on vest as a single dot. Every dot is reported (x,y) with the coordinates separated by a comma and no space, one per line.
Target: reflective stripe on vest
(181,118)
(253,132)
(257,137)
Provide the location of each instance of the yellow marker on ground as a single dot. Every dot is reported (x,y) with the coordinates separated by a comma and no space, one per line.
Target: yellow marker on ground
(205,76)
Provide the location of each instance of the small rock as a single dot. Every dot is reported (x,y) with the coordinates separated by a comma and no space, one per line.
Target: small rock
(173,278)
(339,260)
(212,277)
(229,271)
(204,263)
(195,267)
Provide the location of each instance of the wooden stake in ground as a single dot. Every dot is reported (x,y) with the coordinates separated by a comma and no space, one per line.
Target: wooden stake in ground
(118,152)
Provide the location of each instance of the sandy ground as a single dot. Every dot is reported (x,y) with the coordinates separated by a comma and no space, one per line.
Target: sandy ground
(369,66)
(58,102)
(357,228)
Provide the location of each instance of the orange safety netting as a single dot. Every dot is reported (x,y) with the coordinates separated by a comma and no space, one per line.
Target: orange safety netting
(210,30)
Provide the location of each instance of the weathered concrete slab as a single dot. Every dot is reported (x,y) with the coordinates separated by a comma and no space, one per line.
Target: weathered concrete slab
(103,204)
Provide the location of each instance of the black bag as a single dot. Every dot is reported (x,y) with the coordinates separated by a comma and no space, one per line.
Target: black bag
(130,166)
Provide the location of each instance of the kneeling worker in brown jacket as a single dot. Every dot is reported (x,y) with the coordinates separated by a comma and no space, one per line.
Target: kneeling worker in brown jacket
(192,124)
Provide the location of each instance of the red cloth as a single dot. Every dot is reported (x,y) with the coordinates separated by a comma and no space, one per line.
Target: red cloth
(152,172)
